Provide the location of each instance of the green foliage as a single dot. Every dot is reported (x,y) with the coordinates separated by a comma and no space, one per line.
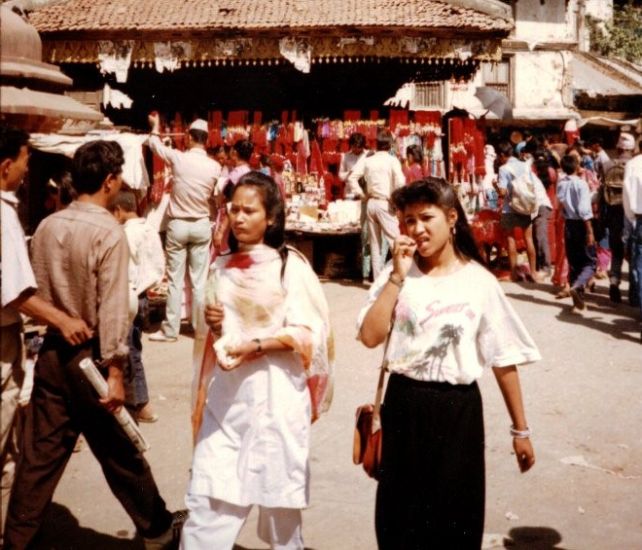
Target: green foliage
(621,37)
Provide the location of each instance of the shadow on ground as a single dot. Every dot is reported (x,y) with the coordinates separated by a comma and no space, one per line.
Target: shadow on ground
(61,531)
(533,538)
(617,328)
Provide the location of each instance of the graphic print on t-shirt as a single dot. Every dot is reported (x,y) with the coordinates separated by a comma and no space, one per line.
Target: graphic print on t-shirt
(429,365)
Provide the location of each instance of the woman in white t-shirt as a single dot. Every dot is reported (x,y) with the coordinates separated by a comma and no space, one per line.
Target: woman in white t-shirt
(448,318)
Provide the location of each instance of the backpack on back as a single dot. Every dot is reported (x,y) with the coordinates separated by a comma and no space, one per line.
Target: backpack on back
(613,183)
(523,199)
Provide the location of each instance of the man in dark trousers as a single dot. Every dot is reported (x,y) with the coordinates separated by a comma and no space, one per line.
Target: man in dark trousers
(80,260)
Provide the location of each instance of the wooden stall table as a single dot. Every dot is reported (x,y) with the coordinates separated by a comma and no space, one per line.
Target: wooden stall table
(333,251)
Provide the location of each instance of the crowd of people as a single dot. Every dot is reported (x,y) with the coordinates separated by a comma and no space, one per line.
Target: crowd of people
(264,365)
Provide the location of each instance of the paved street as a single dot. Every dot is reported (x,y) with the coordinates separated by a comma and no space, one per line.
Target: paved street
(583,402)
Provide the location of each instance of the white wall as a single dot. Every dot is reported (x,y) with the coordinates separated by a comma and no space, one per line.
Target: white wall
(541,79)
(539,22)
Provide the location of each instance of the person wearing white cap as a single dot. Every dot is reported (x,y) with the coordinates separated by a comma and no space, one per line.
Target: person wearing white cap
(189,231)
(613,210)
(632,203)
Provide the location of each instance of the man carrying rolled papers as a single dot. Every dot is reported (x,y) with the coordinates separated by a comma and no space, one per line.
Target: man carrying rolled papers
(80,260)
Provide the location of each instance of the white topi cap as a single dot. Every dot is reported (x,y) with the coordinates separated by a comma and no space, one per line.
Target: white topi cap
(199,124)
(626,142)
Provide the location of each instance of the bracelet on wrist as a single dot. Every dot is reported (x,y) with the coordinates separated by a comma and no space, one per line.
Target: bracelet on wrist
(396,280)
(520,434)
(259,348)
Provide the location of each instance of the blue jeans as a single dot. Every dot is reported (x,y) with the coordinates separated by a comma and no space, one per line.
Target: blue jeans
(187,244)
(635,286)
(136,394)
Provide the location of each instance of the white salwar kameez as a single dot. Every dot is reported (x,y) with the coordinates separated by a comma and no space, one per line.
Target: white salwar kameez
(253,443)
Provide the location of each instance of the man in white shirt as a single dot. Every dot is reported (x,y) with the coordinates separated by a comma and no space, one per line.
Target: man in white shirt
(383,174)
(189,231)
(357,152)
(632,202)
(18,296)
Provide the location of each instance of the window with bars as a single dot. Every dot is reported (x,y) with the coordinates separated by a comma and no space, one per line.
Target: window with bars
(430,94)
(496,75)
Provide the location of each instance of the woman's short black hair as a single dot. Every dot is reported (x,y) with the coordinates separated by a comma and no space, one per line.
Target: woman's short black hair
(244,149)
(357,140)
(416,152)
(272,202)
(93,162)
(438,192)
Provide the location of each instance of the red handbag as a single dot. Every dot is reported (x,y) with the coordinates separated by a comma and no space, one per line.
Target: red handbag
(368,437)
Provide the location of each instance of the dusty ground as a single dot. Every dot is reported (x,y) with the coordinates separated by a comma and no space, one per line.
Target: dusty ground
(583,400)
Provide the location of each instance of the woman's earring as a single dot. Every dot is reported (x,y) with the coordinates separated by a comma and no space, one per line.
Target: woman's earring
(453,230)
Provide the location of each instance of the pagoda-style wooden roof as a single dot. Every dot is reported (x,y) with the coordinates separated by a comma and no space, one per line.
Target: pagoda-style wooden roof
(103,18)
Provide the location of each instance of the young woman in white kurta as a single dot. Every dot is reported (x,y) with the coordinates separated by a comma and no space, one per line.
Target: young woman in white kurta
(447,319)
(269,381)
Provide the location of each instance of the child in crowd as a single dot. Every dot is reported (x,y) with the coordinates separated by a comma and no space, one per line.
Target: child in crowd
(574,196)
(146,268)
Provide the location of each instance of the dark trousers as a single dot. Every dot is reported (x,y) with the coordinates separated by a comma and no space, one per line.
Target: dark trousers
(64,405)
(614,221)
(540,232)
(582,259)
(432,488)
(136,393)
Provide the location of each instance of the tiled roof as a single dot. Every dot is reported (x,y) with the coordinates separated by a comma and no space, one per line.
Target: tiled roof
(265,15)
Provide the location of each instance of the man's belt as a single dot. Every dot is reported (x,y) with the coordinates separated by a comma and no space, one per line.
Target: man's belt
(377,197)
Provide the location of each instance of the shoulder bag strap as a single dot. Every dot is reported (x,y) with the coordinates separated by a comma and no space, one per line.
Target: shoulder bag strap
(376,412)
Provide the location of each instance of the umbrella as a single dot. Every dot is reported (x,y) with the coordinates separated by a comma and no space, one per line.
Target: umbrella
(495,102)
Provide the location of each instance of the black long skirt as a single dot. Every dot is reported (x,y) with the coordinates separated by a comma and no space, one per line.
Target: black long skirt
(432,488)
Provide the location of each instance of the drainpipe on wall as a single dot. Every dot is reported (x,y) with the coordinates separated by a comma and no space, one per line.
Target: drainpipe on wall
(581,32)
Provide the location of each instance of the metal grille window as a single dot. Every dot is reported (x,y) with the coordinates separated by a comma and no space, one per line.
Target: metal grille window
(430,94)
(496,75)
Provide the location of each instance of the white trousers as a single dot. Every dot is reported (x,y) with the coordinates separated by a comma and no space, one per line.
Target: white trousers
(215,524)
(381,223)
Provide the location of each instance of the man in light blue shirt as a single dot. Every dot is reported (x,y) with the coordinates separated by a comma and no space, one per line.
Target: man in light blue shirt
(574,196)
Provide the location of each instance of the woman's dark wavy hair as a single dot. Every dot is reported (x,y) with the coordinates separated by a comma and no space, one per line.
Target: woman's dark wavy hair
(274,210)
(438,192)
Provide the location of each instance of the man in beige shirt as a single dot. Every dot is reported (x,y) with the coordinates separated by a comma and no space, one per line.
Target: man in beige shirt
(383,174)
(189,232)
(80,259)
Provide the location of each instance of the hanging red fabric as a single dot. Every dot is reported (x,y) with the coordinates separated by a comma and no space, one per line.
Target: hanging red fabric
(316,159)
(351,115)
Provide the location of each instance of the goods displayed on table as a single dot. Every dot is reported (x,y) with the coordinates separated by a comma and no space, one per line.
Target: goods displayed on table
(308,209)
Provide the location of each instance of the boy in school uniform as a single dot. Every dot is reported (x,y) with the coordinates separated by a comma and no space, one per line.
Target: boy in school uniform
(574,196)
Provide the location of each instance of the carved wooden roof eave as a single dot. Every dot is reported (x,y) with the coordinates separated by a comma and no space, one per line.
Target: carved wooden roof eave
(266,47)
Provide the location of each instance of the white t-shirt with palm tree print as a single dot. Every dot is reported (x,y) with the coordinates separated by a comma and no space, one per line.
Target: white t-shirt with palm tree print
(448,328)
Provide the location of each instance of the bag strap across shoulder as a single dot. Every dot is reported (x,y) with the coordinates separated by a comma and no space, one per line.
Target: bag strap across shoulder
(376,411)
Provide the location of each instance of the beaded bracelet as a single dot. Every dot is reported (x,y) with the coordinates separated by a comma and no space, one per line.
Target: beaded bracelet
(520,434)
